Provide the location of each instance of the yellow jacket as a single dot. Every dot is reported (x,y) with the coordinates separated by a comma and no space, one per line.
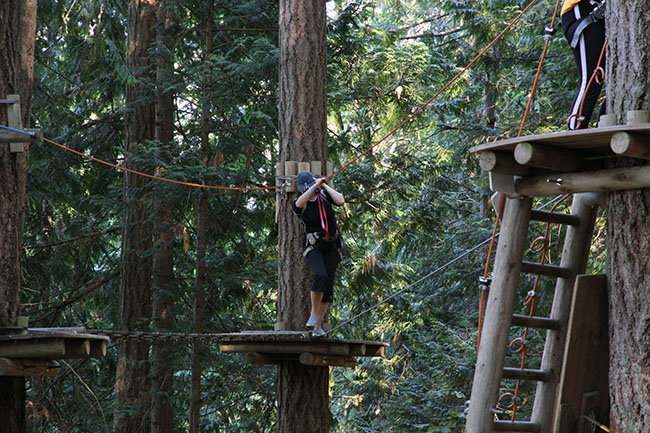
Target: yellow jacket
(568,5)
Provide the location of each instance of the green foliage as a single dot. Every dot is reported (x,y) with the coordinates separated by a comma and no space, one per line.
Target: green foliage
(414,203)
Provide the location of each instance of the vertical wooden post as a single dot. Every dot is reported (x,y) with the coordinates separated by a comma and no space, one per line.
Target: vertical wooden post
(279,182)
(498,315)
(574,257)
(291,169)
(330,170)
(316,168)
(303,166)
(14,121)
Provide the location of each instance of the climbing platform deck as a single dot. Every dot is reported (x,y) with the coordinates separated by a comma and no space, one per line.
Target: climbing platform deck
(569,161)
(34,351)
(270,347)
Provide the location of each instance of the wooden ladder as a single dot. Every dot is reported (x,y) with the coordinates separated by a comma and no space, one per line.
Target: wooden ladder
(499,316)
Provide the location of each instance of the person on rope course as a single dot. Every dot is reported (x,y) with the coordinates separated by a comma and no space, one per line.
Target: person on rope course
(583,25)
(321,242)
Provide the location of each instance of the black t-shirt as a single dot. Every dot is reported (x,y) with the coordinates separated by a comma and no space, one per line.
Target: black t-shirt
(311,217)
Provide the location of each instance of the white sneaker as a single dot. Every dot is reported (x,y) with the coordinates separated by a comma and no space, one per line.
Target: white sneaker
(318,332)
(313,321)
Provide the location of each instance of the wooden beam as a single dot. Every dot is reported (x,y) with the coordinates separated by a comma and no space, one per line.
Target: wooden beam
(629,144)
(586,358)
(291,169)
(14,120)
(256,358)
(317,360)
(548,270)
(526,374)
(44,348)
(548,157)
(287,347)
(498,315)
(7,136)
(592,181)
(502,162)
(97,348)
(516,426)
(316,168)
(77,348)
(554,217)
(28,367)
(535,322)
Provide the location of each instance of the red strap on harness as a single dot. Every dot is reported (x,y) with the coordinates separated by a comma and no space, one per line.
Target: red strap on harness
(323,215)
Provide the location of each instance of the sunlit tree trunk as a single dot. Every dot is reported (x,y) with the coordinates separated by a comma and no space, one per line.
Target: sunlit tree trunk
(132,376)
(17,35)
(628,226)
(303,400)
(162,415)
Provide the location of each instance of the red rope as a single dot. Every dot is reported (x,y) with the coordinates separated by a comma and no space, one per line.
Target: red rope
(323,215)
(445,87)
(151,176)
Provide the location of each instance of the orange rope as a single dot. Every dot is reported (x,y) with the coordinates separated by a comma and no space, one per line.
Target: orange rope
(539,71)
(594,77)
(502,202)
(446,86)
(139,173)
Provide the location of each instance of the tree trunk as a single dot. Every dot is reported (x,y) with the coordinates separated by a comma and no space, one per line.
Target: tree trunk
(201,235)
(132,376)
(628,227)
(17,36)
(162,414)
(303,399)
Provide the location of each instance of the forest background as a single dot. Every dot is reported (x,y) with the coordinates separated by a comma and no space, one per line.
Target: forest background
(414,205)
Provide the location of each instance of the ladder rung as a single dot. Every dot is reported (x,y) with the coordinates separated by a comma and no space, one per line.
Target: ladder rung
(515,426)
(548,270)
(554,217)
(526,374)
(535,322)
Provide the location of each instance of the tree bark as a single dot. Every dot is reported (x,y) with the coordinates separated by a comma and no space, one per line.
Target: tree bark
(200,281)
(303,399)
(628,227)
(162,378)
(17,36)
(132,376)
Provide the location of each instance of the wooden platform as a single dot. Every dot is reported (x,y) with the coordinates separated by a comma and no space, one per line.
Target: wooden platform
(270,347)
(34,351)
(568,161)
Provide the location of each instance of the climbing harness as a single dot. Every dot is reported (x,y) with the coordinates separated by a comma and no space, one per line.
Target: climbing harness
(598,14)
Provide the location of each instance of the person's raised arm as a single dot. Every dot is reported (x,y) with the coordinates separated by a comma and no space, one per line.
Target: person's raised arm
(337,197)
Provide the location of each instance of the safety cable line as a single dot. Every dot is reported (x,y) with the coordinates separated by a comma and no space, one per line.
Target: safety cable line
(430,274)
(151,176)
(445,87)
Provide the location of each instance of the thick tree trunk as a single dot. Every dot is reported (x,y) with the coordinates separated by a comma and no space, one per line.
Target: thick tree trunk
(302,391)
(162,414)
(17,36)
(628,227)
(132,376)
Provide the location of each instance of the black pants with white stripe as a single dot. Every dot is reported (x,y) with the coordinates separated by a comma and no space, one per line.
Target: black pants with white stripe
(586,55)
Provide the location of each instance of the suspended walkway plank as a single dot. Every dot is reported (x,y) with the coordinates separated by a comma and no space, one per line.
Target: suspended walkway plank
(568,161)
(270,347)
